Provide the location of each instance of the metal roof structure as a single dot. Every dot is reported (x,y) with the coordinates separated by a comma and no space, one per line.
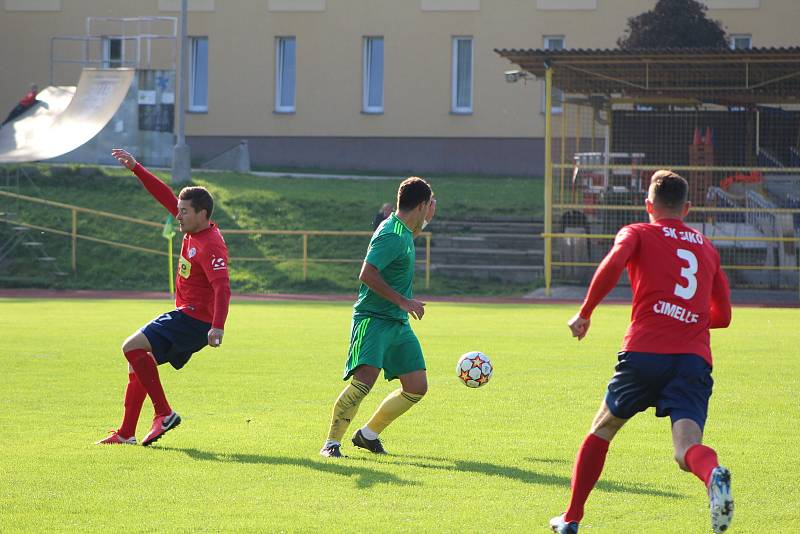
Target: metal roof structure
(722,76)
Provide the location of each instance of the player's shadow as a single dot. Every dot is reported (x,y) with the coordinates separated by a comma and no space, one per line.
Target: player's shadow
(365,477)
(523,475)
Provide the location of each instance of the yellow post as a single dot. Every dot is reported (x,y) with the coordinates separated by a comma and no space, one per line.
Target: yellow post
(563,150)
(548,178)
(427,261)
(305,257)
(74,240)
(171,269)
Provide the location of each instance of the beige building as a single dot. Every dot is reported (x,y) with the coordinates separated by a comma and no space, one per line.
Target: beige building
(395,85)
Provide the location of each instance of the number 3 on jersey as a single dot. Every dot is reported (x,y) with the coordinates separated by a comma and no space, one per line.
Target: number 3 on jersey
(688,291)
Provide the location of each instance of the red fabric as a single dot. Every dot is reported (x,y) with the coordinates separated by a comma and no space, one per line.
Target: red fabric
(222,298)
(157,188)
(585,474)
(147,372)
(202,287)
(29,99)
(679,288)
(135,394)
(701,461)
(206,255)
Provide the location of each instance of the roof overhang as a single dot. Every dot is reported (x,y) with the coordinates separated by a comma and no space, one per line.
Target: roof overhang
(723,76)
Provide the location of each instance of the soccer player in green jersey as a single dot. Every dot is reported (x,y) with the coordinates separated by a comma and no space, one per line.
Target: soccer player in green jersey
(381,337)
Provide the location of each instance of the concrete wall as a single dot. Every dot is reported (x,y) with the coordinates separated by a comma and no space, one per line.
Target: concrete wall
(415,155)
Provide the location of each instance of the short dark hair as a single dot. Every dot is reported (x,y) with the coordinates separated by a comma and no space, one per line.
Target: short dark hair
(413,192)
(669,190)
(200,199)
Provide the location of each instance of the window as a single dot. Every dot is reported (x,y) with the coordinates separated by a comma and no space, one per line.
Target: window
(373,75)
(739,42)
(112,52)
(462,75)
(554,42)
(198,75)
(285,69)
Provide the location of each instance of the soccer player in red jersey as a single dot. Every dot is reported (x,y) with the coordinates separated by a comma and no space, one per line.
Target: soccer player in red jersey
(202,297)
(679,293)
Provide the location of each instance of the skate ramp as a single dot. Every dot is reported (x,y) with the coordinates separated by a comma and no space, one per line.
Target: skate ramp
(69,117)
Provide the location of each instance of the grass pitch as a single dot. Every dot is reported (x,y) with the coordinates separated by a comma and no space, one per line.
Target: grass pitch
(256,411)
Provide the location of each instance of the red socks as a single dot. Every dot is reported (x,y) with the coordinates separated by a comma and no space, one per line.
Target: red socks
(134,398)
(588,466)
(701,461)
(147,372)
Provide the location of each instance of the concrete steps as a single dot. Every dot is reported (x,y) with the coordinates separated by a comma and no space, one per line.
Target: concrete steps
(503,248)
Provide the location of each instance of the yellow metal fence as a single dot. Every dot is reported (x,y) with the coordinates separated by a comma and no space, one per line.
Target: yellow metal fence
(741,165)
(305,258)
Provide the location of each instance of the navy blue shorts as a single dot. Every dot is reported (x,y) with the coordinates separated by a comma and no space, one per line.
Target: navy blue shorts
(677,385)
(175,336)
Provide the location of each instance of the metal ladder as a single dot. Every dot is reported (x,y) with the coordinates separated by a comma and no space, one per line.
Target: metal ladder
(20,237)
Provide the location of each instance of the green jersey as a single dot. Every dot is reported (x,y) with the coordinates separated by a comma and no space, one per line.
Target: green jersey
(391,251)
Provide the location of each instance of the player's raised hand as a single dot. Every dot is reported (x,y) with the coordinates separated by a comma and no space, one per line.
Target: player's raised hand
(215,337)
(124,157)
(415,308)
(578,326)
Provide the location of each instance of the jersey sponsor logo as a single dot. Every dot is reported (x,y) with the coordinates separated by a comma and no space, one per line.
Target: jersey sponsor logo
(192,252)
(676,312)
(218,264)
(184,267)
(691,237)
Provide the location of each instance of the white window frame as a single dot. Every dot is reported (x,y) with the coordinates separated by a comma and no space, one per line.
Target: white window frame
(367,77)
(454,107)
(279,74)
(736,36)
(547,45)
(194,107)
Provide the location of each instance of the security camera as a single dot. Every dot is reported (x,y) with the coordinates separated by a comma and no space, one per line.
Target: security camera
(512,75)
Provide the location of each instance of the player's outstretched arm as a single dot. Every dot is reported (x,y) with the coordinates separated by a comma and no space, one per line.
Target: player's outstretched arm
(605,278)
(371,276)
(154,186)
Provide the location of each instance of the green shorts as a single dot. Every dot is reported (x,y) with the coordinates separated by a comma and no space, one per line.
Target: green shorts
(385,344)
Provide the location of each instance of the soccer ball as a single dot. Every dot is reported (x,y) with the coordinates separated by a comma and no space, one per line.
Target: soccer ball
(474,369)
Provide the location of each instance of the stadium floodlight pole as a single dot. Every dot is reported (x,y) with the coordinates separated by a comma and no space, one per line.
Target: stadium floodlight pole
(548,178)
(181,153)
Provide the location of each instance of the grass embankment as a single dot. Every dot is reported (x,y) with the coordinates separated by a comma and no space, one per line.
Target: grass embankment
(243,202)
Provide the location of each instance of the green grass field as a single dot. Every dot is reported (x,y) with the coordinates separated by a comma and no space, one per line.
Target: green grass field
(256,411)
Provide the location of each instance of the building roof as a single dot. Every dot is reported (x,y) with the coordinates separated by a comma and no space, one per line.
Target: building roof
(754,75)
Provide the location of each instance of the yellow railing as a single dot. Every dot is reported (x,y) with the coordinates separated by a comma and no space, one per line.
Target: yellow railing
(304,235)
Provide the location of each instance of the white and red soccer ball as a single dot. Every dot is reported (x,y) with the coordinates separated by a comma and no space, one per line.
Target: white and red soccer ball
(474,369)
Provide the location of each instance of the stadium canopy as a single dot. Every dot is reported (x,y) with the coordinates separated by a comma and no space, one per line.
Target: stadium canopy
(719,76)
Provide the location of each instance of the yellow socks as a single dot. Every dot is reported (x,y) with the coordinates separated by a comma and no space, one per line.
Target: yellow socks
(345,409)
(393,406)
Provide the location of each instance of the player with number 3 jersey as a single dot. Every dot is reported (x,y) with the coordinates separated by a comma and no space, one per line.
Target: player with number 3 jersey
(679,292)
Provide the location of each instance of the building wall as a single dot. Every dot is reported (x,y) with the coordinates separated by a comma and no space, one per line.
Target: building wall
(329,33)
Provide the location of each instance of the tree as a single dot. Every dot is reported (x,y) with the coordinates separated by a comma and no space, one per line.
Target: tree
(673,24)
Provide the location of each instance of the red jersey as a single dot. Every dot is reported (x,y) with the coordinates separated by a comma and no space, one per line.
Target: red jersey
(29,99)
(202,288)
(679,288)
(203,261)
